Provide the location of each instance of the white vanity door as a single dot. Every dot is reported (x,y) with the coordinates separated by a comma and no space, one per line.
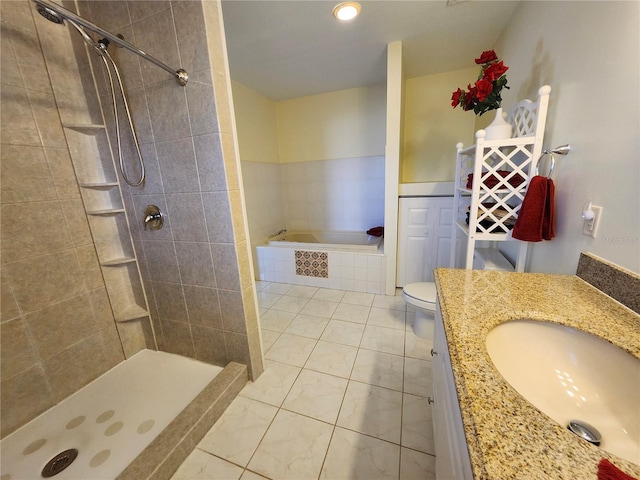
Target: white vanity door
(424,237)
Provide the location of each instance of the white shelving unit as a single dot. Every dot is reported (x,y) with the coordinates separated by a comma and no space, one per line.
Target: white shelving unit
(491,180)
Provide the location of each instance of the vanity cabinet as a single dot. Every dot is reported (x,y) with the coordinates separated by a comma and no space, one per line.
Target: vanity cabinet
(452,455)
(491,180)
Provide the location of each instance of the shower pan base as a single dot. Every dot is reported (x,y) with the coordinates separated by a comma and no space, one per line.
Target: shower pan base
(139,420)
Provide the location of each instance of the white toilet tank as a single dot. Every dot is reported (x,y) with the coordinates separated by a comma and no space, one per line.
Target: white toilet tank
(491,259)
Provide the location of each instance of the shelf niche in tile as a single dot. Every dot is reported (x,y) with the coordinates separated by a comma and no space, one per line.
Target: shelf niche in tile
(90,153)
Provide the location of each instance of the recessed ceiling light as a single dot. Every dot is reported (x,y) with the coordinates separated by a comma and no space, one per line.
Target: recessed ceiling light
(346,10)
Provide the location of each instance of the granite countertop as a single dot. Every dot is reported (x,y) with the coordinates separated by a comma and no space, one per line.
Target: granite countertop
(507,436)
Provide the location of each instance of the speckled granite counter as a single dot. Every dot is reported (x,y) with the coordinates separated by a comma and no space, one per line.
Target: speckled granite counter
(508,437)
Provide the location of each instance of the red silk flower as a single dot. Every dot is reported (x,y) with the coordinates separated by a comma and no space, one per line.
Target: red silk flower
(495,71)
(486,57)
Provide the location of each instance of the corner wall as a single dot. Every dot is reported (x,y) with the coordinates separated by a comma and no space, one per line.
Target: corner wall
(593,66)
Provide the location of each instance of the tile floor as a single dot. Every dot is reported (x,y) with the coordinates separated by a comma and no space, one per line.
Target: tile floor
(343,396)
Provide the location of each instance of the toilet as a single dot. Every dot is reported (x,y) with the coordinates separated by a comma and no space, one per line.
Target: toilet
(422,295)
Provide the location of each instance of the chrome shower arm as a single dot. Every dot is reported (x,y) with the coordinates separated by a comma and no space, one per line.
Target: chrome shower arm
(180,75)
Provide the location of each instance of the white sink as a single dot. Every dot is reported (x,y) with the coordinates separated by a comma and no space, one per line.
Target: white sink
(569,374)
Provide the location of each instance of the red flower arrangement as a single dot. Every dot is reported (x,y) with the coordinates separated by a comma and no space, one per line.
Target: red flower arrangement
(484,95)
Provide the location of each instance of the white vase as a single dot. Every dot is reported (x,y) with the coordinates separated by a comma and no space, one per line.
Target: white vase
(499,128)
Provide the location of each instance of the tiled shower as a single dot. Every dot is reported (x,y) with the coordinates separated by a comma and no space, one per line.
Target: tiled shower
(58,330)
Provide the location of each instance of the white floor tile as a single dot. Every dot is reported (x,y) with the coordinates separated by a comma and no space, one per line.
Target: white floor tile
(377,368)
(358,298)
(302,291)
(320,308)
(273,385)
(354,456)
(291,349)
(417,377)
(390,302)
(237,433)
(266,300)
(383,339)
(268,339)
(307,326)
(247,475)
(200,465)
(416,465)
(346,333)
(383,317)
(352,313)
(293,448)
(276,320)
(329,294)
(416,347)
(289,303)
(316,395)
(417,424)
(332,358)
(372,410)
(279,288)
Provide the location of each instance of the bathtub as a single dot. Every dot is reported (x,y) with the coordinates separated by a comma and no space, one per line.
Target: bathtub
(139,418)
(350,261)
(350,241)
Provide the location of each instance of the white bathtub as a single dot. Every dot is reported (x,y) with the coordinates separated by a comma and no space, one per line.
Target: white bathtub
(351,261)
(348,241)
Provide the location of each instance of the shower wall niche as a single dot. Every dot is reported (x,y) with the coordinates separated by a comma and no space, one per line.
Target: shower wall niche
(92,157)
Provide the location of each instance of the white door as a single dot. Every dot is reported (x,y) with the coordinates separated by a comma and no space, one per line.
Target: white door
(424,237)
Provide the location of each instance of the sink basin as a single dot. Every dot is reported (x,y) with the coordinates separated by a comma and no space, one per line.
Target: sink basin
(572,375)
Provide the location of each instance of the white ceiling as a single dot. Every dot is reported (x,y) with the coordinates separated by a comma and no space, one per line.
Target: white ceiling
(294,48)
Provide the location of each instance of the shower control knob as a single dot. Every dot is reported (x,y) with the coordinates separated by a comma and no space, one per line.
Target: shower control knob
(152,218)
(433,353)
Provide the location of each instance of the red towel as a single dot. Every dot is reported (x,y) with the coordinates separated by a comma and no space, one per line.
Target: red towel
(608,471)
(531,216)
(548,220)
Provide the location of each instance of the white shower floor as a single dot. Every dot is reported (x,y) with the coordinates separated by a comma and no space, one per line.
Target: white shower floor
(110,421)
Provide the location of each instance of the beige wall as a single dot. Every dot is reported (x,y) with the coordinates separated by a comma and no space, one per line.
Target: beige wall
(257,123)
(432,127)
(593,66)
(344,124)
(57,330)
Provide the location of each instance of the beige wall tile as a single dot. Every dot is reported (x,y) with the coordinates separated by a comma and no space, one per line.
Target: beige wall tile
(64,178)
(76,220)
(73,368)
(17,125)
(226,266)
(41,281)
(203,306)
(209,344)
(25,175)
(101,307)
(16,352)
(30,229)
(195,264)
(132,337)
(232,311)
(57,327)
(23,397)
(238,348)
(176,338)
(8,304)
(256,364)
(217,213)
(90,267)
(170,301)
(237,215)
(46,114)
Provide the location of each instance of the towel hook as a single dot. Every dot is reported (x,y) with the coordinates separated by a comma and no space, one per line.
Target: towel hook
(561,150)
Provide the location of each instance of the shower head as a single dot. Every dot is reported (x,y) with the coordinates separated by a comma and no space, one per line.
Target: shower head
(49,14)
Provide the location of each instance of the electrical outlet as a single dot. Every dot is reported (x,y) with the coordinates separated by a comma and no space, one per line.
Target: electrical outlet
(590,227)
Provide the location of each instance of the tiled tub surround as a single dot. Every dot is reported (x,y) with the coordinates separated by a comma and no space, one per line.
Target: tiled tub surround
(148,399)
(347,270)
(507,436)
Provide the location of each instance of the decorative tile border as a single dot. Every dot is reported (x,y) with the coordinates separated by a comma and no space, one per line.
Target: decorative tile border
(312,264)
(620,284)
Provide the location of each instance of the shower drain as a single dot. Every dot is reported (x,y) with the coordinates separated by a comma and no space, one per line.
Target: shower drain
(59,462)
